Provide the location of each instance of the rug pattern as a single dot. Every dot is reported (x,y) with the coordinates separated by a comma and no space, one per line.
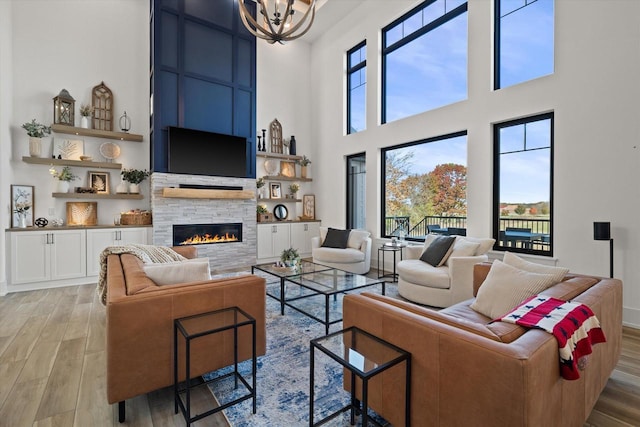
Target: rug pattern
(283,372)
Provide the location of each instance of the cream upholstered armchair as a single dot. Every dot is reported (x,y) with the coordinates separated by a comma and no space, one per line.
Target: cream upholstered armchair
(355,257)
(447,284)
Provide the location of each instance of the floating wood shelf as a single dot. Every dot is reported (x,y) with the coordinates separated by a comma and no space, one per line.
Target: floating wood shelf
(281,200)
(71,130)
(97,196)
(64,162)
(197,193)
(286,178)
(277,156)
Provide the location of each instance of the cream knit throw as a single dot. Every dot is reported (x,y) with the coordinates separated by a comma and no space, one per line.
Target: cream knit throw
(147,253)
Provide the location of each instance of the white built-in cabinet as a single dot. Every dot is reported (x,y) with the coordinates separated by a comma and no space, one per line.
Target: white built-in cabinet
(40,256)
(301,234)
(47,258)
(99,239)
(273,238)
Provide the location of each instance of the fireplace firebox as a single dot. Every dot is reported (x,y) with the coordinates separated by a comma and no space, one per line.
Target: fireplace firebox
(206,234)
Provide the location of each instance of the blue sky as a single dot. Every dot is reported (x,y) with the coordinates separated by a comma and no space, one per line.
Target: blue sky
(431,71)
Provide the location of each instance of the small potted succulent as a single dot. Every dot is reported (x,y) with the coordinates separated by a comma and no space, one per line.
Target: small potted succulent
(86,111)
(134,177)
(290,257)
(304,162)
(65,176)
(36,132)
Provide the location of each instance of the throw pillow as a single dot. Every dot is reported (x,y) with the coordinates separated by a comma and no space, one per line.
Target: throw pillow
(438,250)
(505,287)
(517,262)
(336,238)
(170,273)
(485,244)
(462,247)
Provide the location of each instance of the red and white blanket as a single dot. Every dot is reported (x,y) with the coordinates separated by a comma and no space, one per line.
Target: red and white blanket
(574,326)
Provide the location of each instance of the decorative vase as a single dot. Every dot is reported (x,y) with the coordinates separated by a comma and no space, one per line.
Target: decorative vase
(303,171)
(134,188)
(292,146)
(122,188)
(63,186)
(85,123)
(35,146)
(22,220)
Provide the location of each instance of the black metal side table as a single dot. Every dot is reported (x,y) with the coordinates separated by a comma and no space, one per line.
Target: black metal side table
(364,356)
(394,248)
(201,325)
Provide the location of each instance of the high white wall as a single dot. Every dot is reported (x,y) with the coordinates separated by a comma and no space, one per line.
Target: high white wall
(593,92)
(46,46)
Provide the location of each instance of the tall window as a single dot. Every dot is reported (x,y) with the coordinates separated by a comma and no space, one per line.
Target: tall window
(356,177)
(357,88)
(524,40)
(424,59)
(523,183)
(424,187)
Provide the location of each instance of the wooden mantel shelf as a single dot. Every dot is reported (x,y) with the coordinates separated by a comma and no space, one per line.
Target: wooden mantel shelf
(197,193)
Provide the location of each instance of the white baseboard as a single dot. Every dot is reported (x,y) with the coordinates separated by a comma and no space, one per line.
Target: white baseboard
(631,317)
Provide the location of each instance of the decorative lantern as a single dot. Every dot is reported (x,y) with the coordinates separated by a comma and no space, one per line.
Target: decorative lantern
(64,108)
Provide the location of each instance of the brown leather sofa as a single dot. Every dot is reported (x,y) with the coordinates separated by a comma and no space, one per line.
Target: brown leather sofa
(140,318)
(468,371)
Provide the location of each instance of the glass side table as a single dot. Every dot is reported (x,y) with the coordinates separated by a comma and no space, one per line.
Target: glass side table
(201,325)
(393,248)
(364,356)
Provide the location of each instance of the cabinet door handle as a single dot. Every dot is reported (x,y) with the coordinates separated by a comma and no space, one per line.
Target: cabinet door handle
(47,238)
(274,229)
(52,241)
(306,227)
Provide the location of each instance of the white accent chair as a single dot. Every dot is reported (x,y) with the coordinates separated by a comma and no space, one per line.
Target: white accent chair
(355,258)
(446,285)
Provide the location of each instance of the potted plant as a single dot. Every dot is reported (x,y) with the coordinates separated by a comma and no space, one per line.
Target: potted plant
(65,176)
(294,189)
(36,131)
(304,162)
(134,177)
(86,111)
(290,257)
(262,213)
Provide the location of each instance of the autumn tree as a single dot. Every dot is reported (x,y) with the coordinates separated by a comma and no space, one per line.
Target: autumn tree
(533,211)
(397,190)
(447,184)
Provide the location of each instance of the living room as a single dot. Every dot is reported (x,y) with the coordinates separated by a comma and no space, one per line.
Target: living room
(49,45)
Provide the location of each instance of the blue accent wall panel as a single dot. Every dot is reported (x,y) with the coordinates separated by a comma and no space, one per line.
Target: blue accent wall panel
(208,106)
(202,73)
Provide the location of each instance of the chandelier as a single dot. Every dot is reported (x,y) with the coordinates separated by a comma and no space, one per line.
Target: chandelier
(281,20)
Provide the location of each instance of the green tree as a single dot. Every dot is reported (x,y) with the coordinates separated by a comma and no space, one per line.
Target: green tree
(520,209)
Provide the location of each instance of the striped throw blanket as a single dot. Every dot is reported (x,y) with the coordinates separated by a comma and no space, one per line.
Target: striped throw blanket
(574,326)
(147,253)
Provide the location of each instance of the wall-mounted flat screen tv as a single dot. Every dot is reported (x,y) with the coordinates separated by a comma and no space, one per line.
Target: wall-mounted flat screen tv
(198,152)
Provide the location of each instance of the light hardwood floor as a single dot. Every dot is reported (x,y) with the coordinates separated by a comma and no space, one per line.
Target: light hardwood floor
(52,369)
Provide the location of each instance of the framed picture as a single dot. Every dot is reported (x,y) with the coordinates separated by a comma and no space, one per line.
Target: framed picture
(275,190)
(309,206)
(68,149)
(22,205)
(287,169)
(99,181)
(82,213)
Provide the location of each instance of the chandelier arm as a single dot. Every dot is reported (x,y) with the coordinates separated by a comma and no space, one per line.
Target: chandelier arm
(252,25)
(299,24)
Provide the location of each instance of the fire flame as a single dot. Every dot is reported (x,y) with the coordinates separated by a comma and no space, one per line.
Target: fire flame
(208,238)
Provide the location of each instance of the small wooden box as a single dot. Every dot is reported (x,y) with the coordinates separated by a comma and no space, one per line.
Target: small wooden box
(135,218)
(265,217)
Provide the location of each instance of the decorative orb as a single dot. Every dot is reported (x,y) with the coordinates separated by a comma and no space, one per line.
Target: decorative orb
(41,222)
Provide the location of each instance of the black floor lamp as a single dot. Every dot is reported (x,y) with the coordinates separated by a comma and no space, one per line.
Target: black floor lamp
(602,231)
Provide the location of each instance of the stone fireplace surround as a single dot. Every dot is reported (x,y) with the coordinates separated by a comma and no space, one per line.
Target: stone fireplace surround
(170,211)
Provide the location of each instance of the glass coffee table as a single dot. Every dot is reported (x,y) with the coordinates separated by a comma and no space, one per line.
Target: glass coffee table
(315,281)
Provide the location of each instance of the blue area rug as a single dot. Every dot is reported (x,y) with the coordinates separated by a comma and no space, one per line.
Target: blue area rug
(283,372)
